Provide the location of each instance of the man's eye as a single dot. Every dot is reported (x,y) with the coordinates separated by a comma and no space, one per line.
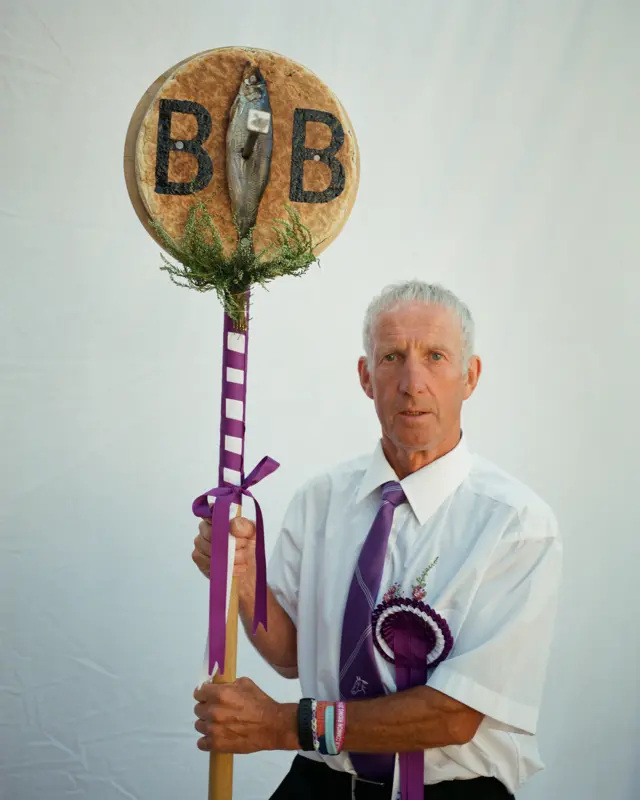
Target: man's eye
(389,357)
(436,356)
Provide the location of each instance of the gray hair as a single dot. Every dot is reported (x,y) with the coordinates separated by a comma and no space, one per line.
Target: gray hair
(416,291)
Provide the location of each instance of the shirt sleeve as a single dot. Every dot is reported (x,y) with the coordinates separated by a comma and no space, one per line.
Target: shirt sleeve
(499,659)
(283,573)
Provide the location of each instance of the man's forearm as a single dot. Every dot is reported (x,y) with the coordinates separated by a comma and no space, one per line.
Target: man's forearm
(413,720)
(279,645)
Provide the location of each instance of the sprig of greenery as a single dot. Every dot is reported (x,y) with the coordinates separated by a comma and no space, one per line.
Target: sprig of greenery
(422,580)
(203,266)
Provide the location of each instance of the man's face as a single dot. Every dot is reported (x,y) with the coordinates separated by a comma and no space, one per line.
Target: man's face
(416,377)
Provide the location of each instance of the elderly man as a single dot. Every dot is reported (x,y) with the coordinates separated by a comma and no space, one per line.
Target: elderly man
(421,518)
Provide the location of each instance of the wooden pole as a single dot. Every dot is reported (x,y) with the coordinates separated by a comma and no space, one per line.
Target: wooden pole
(221,764)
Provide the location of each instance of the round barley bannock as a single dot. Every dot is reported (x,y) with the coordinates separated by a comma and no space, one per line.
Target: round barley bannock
(176,145)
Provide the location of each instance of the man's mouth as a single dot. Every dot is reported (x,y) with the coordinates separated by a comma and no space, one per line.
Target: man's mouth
(412,413)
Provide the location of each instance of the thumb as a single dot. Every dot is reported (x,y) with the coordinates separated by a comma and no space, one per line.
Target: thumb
(242,528)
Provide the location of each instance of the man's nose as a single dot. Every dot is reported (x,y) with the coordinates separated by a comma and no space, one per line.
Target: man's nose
(414,378)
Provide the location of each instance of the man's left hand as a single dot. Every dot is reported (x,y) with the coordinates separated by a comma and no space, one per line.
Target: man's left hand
(239,717)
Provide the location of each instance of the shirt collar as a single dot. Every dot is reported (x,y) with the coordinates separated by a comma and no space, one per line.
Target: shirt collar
(425,489)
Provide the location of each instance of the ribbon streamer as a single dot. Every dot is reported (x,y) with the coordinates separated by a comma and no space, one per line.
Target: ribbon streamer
(225,495)
(415,638)
(411,649)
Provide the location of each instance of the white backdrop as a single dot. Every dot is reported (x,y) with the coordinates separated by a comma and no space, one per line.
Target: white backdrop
(499,144)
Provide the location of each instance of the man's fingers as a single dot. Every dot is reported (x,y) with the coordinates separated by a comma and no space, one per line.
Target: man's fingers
(202,562)
(228,716)
(208,691)
(201,693)
(220,739)
(201,726)
(216,693)
(202,545)
(243,529)
(205,529)
(201,710)
(243,547)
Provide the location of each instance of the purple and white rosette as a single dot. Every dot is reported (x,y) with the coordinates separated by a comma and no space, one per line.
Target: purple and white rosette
(395,620)
(414,638)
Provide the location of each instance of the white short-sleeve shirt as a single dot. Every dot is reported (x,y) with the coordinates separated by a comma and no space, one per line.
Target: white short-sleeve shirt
(495,582)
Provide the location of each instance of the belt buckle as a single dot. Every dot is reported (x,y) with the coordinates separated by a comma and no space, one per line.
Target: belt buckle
(356,779)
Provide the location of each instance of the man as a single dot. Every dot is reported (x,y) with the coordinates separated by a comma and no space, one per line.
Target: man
(494,556)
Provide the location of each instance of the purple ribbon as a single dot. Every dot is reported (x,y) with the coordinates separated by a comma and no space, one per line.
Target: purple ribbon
(410,649)
(225,495)
(399,626)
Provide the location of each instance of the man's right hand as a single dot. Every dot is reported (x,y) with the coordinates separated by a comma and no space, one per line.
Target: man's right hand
(279,647)
(245,532)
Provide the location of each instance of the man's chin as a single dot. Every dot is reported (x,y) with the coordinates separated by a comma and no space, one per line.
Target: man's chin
(414,440)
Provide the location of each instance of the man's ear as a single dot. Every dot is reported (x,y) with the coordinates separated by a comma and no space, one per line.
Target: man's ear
(472,377)
(365,377)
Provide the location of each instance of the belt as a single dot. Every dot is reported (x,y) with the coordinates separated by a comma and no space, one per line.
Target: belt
(335,785)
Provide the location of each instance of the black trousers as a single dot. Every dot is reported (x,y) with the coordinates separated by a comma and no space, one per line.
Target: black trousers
(313,780)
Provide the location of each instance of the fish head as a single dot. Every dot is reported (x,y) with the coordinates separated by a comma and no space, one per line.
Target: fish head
(253,86)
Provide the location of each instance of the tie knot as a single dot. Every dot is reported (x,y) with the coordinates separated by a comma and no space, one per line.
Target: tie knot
(392,493)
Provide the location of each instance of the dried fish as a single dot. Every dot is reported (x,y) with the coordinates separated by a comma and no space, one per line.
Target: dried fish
(249,148)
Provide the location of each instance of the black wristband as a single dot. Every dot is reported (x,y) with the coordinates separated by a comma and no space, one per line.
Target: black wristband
(305,718)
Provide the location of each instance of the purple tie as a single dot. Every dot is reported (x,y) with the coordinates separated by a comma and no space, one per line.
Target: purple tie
(359,676)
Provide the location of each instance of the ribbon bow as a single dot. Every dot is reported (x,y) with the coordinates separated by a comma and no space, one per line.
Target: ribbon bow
(225,495)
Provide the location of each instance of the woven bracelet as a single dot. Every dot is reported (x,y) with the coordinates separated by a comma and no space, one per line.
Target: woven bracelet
(305,723)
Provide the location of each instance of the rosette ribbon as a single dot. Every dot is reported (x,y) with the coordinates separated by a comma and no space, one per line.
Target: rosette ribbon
(225,496)
(415,638)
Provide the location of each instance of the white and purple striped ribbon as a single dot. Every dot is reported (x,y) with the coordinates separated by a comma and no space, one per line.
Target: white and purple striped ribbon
(232,487)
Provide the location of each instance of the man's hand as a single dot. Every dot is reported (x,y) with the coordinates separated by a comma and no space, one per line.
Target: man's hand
(239,717)
(279,646)
(245,532)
